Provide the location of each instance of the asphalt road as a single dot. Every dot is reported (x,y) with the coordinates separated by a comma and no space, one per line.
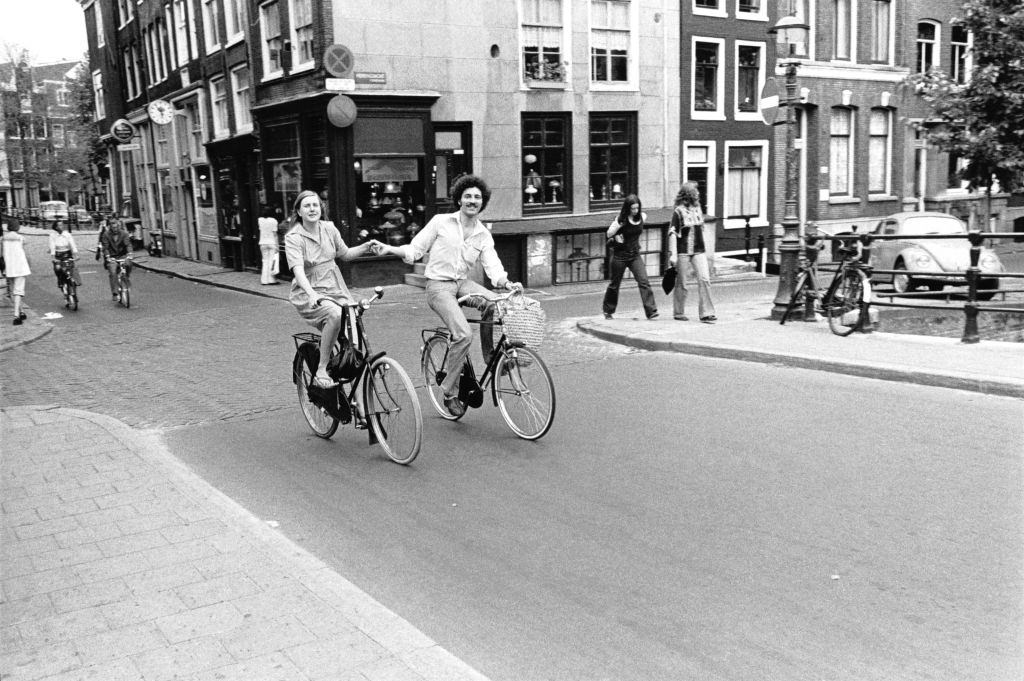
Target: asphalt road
(685,517)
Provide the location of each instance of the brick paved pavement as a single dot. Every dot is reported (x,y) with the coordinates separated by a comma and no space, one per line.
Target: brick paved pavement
(118,563)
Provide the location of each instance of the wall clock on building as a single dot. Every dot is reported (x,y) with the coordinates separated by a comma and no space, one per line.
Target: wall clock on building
(161,111)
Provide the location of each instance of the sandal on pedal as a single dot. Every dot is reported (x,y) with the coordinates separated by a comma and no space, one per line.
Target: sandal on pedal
(324,382)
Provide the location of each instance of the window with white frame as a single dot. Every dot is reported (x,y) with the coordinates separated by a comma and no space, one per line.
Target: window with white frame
(219,105)
(210,32)
(959,54)
(272,43)
(879,151)
(181,22)
(750,79)
(542,38)
(710,8)
(161,137)
(842,35)
(927,46)
(193,32)
(233,20)
(99,94)
(161,44)
(841,152)
(241,98)
(130,80)
(955,165)
(745,181)
(193,129)
(751,9)
(609,41)
(708,79)
(125,11)
(101,37)
(136,70)
(881,31)
(147,42)
(301,19)
(698,158)
(57,134)
(62,96)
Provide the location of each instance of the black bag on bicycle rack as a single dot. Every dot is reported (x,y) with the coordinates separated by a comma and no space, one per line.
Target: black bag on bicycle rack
(348,363)
(331,400)
(470,392)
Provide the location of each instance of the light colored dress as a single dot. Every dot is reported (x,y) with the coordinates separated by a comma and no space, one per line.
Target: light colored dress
(268,249)
(316,254)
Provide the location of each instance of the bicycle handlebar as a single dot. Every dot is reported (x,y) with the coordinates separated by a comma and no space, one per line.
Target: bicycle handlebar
(498,296)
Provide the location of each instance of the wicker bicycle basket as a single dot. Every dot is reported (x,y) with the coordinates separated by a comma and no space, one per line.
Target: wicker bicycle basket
(523,321)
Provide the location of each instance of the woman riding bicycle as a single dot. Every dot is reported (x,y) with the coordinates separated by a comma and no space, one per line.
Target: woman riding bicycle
(64,253)
(456,242)
(311,247)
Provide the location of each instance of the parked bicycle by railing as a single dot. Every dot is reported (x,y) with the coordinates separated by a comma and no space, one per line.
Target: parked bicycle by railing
(373,391)
(845,303)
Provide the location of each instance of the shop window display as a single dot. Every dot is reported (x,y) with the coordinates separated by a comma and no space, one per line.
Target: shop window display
(390,203)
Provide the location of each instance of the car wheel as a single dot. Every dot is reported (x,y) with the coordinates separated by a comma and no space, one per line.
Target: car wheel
(987,289)
(901,281)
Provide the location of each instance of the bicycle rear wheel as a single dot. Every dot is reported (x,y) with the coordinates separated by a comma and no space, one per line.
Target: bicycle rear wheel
(322,423)
(393,410)
(843,309)
(525,393)
(431,362)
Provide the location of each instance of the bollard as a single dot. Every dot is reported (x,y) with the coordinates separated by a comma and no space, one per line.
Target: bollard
(971,306)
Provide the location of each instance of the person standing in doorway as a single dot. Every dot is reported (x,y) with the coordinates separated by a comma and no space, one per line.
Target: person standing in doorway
(269,247)
(624,234)
(686,242)
(16,268)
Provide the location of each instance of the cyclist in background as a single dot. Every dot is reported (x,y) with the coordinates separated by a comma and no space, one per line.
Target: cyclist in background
(63,249)
(456,242)
(116,243)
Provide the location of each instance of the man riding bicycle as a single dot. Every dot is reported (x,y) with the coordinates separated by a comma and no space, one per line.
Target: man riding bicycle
(116,244)
(455,243)
(64,253)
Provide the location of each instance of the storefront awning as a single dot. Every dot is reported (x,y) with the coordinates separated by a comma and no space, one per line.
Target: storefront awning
(572,223)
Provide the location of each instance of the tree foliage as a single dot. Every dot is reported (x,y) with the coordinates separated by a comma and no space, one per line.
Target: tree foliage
(982,120)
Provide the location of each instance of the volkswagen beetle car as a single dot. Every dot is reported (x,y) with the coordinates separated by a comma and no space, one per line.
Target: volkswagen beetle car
(918,260)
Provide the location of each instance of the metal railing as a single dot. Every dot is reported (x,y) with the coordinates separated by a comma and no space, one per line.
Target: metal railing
(972,276)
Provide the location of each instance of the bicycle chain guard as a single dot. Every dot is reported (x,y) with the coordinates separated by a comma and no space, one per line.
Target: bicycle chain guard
(470,392)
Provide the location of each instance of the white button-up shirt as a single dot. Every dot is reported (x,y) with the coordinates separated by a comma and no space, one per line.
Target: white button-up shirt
(451,255)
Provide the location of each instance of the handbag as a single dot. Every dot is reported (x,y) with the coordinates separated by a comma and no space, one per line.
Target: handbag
(668,281)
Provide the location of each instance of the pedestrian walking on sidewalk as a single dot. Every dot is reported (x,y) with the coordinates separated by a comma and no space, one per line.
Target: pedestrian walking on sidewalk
(269,247)
(624,235)
(16,267)
(686,243)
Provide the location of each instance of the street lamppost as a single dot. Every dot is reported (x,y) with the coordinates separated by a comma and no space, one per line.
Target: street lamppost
(791,36)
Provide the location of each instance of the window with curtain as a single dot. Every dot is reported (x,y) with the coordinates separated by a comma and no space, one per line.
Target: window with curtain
(219,105)
(233,18)
(242,98)
(748,7)
(705,77)
(542,41)
(879,151)
(181,22)
(841,48)
(546,148)
(129,73)
(302,29)
(881,22)
(743,195)
(270,26)
(748,77)
(841,151)
(210,17)
(927,42)
(613,142)
(609,41)
(959,42)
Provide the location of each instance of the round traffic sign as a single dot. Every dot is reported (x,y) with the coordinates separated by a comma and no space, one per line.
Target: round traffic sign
(122,130)
(769,102)
(338,61)
(341,111)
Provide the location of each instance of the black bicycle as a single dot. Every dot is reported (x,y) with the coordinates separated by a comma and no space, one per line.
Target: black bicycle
(373,391)
(519,382)
(65,269)
(843,302)
(124,282)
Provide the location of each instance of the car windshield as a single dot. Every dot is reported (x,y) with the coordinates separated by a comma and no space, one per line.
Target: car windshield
(933,225)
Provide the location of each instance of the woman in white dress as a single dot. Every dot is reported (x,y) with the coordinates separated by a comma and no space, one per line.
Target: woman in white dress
(268,247)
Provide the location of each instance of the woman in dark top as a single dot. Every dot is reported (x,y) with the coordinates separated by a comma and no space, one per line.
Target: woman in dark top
(624,233)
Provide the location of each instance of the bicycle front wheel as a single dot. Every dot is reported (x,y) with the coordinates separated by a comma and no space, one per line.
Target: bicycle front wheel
(320,421)
(73,296)
(843,309)
(525,393)
(393,410)
(432,362)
